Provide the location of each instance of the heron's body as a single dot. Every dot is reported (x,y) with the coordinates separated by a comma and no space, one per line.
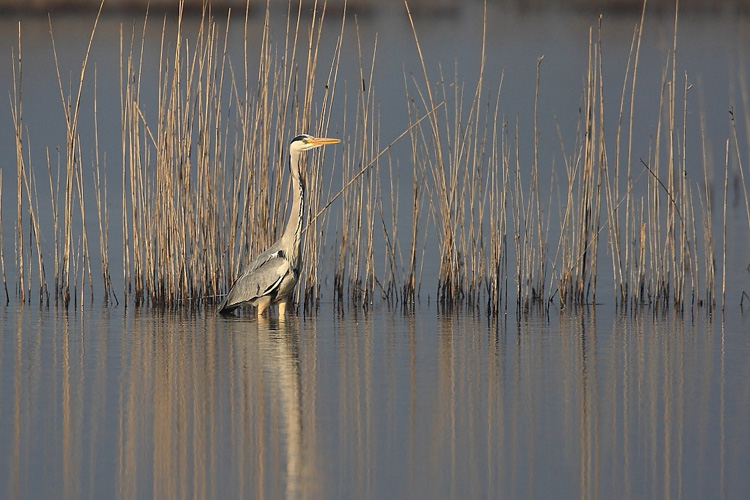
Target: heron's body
(271,277)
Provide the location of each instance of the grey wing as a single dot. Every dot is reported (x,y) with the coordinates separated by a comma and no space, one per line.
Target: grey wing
(256,281)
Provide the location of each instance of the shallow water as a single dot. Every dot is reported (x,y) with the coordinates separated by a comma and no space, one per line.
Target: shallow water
(587,404)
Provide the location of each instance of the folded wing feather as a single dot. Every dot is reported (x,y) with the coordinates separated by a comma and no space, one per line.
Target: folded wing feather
(258,281)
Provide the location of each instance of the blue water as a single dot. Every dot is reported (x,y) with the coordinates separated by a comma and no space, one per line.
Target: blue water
(118,403)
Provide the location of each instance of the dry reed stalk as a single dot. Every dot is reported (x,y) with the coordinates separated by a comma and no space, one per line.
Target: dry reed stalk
(308,293)
(419,190)
(620,262)
(455,154)
(695,299)
(130,82)
(638,269)
(724,229)
(73,184)
(497,274)
(709,260)
(671,278)
(124,149)
(54,192)
(530,227)
(17,112)
(538,259)
(351,240)
(520,232)
(102,207)
(339,273)
(29,182)
(581,223)
(368,288)
(571,249)
(241,181)
(2,252)
(481,206)
(410,287)
(688,234)
(26,184)
(85,253)
(393,285)
(659,248)
(369,147)
(676,229)
(144,217)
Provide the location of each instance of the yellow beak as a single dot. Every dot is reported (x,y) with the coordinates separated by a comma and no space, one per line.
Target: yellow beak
(322,141)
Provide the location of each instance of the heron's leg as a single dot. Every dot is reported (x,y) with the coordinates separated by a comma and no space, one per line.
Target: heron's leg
(261,305)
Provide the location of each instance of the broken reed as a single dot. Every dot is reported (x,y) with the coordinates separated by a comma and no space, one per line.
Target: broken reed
(204,175)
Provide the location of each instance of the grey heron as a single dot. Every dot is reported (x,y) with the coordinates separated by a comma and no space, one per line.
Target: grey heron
(271,277)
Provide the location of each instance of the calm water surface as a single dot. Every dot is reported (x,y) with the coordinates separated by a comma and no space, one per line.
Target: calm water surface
(588,404)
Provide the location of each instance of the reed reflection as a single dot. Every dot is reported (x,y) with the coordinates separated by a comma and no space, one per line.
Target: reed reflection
(541,408)
(267,357)
(50,425)
(224,408)
(377,405)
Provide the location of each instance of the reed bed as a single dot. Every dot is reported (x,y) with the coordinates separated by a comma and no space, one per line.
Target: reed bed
(354,230)
(660,264)
(581,223)
(206,187)
(204,180)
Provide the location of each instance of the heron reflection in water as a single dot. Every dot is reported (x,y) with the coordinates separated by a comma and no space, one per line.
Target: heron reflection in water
(271,277)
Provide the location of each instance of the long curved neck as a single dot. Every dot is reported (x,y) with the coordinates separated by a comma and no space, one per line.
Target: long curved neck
(293,231)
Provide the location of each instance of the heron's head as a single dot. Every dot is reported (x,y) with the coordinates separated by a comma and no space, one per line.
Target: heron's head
(304,142)
(301,143)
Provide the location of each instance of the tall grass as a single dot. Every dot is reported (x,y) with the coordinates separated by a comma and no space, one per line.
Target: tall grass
(204,178)
(169,215)
(205,187)
(581,223)
(457,152)
(659,264)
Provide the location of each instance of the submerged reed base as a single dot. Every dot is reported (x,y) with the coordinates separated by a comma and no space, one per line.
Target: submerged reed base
(204,183)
